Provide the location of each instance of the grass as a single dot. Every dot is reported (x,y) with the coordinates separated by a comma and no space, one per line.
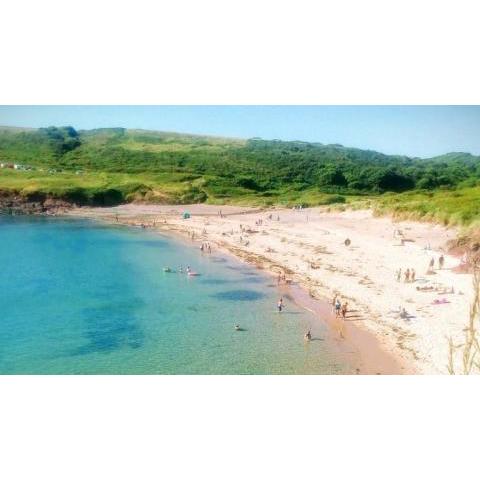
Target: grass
(449,207)
(121,165)
(468,353)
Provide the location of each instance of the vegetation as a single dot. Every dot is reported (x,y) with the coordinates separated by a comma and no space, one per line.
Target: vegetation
(467,353)
(117,165)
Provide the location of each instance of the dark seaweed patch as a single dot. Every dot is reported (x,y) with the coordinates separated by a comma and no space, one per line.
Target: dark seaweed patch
(243,295)
(108,329)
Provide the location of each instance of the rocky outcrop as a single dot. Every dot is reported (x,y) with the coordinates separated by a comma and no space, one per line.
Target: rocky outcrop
(15,203)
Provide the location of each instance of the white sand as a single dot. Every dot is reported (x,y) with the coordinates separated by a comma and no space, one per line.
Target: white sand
(310,244)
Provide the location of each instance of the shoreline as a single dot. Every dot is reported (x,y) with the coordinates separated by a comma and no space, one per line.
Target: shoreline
(370,356)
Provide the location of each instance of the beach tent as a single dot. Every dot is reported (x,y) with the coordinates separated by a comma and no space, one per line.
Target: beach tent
(186,215)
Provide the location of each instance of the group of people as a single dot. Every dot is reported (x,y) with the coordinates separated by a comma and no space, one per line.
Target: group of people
(408,275)
(431,265)
(205,247)
(281,278)
(339,308)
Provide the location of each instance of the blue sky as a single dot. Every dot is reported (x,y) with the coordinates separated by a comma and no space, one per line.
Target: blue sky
(421,131)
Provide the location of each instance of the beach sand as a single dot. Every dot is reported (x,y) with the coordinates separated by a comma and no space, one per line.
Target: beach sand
(308,246)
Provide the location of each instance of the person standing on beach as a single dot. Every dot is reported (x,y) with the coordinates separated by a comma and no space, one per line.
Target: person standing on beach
(399,274)
(334,301)
(441,261)
(412,275)
(344,310)
(431,265)
(407,275)
(338,305)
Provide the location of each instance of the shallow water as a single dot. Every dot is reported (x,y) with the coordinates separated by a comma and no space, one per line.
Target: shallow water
(79,297)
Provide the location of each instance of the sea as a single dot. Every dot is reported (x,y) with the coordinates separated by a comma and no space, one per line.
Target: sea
(82,297)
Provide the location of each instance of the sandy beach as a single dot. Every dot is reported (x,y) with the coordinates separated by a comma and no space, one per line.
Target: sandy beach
(308,247)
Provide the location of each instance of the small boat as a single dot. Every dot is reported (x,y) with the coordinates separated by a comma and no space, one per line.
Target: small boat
(193,274)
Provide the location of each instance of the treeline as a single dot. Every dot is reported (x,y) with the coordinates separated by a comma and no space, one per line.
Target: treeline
(229,167)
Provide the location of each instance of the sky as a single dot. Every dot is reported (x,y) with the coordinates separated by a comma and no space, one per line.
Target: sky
(420,131)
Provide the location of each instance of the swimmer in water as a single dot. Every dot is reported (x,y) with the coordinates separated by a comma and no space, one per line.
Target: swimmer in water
(308,335)
(280,305)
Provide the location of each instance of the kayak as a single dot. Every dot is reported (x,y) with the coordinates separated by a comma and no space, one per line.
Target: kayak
(193,274)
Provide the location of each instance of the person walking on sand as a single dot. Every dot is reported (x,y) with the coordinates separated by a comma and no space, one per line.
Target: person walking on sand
(399,274)
(441,261)
(334,301)
(431,265)
(412,275)
(344,310)
(407,275)
(280,305)
(338,305)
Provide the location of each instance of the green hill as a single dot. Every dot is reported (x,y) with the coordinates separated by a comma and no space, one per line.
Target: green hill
(107,166)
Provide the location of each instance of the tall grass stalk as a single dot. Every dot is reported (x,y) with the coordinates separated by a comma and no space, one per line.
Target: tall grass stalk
(469,351)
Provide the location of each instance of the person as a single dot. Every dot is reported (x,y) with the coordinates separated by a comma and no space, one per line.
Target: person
(431,264)
(412,275)
(237,327)
(280,305)
(180,269)
(209,248)
(308,335)
(399,274)
(188,269)
(344,310)
(279,278)
(338,305)
(334,301)
(202,247)
(441,261)
(407,275)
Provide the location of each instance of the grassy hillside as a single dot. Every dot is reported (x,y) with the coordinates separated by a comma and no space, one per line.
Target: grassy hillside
(108,166)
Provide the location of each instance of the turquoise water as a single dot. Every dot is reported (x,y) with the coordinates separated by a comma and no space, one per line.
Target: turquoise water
(79,297)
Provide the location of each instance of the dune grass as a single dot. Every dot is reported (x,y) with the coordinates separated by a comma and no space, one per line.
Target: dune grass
(448,207)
